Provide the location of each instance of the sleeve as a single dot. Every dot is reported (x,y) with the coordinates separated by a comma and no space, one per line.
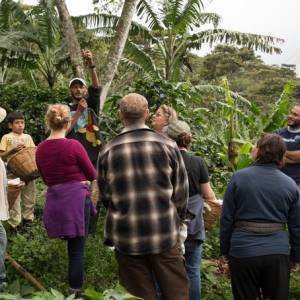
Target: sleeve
(227,217)
(204,176)
(294,228)
(101,179)
(93,99)
(37,159)
(3,143)
(180,185)
(31,142)
(84,162)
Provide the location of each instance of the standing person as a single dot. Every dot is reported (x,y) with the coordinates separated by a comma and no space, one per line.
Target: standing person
(65,167)
(85,111)
(259,202)
(85,117)
(143,181)
(163,116)
(291,136)
(4,214)
(199,191)
(10,144)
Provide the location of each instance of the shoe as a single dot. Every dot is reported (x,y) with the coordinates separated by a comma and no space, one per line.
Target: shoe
(3,285)
(13,231)
(77,293)
(27,222)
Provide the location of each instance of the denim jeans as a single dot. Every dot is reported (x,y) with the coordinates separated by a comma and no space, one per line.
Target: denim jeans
(193,254)
(76,252)
(3,242)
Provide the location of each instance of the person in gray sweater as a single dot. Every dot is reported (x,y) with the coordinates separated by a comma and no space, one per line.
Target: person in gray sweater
(260,202)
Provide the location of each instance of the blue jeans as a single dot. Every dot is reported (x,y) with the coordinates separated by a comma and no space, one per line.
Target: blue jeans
(3,243)
(193,254)
(76,252)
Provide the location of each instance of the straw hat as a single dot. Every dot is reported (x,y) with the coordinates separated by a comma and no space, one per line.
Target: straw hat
(2,114)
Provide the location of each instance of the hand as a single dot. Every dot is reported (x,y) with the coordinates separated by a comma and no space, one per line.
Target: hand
(87,56)
(223,265)
(82,105)
(18,148)
(294,267)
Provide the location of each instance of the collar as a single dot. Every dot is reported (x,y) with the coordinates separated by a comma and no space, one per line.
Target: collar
(134,127)
(270,165)
(297,130)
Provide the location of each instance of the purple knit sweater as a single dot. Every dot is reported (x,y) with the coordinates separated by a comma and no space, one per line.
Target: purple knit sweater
(63,160)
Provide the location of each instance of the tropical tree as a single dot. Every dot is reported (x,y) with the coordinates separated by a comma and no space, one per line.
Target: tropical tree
(33,40)
(166,31)
(71,38)
(12,18)
(117,46)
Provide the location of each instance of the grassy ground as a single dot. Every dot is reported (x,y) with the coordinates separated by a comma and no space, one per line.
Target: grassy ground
(46,260)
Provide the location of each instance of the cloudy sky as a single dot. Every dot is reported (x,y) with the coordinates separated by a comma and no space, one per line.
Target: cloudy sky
(278,18)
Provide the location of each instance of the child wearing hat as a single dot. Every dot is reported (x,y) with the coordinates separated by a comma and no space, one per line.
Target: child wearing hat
(10,144)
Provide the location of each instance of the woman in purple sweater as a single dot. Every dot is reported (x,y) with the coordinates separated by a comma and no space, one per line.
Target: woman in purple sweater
(65,167)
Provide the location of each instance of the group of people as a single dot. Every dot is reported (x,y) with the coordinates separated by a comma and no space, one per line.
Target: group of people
(153,188)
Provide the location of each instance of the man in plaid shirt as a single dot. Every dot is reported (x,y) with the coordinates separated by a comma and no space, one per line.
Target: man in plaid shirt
(143,181)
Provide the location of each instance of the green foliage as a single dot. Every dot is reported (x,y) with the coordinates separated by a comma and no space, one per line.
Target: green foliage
(33,103)
(166,31)
(280,110)
(118,293)
(246,72)
(46,259)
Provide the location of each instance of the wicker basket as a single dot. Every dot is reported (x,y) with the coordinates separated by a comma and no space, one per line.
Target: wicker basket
(23,165)
(212,216)
(13,191)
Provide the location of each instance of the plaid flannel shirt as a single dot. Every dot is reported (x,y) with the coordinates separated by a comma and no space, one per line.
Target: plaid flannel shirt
(143,181)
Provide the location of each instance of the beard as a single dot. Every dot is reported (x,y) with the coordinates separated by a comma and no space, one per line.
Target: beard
(77,97)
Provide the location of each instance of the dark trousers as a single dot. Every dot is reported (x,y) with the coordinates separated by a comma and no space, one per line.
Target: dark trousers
(136,274)
(259,277)
(76,253)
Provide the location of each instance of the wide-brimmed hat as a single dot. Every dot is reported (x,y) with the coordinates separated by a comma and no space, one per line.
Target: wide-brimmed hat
(2,114)
(176,128)
(77,79)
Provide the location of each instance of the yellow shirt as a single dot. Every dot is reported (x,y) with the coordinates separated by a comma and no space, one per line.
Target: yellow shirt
(11,140)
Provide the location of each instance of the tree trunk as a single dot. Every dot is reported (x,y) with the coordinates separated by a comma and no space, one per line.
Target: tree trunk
(71,38)
(117,47)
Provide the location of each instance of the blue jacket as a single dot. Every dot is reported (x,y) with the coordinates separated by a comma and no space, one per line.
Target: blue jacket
(261,193)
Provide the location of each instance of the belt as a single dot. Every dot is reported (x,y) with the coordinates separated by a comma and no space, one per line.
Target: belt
(256,227)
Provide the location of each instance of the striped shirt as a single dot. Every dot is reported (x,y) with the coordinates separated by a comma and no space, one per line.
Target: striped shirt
(143,181)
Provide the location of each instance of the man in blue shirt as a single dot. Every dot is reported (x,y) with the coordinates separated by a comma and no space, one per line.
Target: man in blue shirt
(291,136)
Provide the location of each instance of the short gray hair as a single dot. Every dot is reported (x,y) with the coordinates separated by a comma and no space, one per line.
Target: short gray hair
(133,106)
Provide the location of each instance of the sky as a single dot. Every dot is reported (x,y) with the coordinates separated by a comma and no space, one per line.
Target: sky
(279,18)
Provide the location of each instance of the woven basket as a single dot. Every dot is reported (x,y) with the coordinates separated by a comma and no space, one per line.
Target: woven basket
(23,165)
(13,191)
(212,216)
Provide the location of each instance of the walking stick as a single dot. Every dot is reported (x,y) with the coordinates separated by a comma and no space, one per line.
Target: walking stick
(26,274)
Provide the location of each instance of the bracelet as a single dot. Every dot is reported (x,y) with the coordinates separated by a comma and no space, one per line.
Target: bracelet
(92,67)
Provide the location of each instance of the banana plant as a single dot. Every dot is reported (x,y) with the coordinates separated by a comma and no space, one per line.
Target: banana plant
(164,33)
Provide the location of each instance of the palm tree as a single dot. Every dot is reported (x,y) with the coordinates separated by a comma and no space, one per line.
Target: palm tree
(12,18)
(32,41)
(167,30)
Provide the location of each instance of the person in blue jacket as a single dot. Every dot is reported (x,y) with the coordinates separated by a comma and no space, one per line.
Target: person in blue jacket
(260,202)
